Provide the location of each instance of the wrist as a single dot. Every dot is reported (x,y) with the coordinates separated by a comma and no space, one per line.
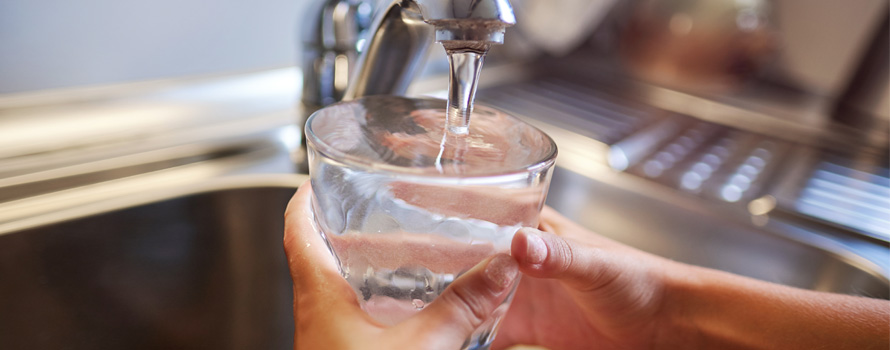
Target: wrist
(678,325)
(710,309)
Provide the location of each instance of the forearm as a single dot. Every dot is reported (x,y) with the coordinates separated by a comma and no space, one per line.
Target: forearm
(708,309)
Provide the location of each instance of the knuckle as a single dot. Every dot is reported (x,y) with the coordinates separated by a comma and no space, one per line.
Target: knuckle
(575,265)
(564,256)
(603,275)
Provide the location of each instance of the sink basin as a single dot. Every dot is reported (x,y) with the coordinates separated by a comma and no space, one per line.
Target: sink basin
(207,270)
(152,235)
(203,271)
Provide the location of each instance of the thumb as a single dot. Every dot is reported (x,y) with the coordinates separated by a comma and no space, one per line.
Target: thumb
(466,304)
(545,255)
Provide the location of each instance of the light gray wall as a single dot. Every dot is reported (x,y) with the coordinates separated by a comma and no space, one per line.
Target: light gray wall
(63,43)
(822,41)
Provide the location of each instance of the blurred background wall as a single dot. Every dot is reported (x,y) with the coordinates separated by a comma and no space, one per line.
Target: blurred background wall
(47,44)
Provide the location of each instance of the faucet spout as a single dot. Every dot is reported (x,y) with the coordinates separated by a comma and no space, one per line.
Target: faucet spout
(401,35)
(478,21)
(397,41)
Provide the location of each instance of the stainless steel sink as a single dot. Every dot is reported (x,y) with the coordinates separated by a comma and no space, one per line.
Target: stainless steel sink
(207,270)
(200,271)
(174,241)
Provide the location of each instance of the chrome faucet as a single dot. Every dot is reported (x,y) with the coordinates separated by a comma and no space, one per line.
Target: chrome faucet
(354,49)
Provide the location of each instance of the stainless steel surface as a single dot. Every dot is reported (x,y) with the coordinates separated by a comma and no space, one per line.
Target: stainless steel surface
(729,174)
(47,130)
(401,33)
(151,218)
(171,238)
(840,192)
(68,154)
(633,149)
(196,271)
(204,268)
(716,163)
(133,185)
(572,104)
(759,108)
(663,223)
(330,42)
(397,41)
(848,197)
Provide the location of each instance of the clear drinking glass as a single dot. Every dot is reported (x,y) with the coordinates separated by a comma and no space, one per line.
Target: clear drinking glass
(406,209)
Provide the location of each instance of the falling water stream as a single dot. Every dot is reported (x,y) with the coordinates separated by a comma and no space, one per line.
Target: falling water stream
(466,66)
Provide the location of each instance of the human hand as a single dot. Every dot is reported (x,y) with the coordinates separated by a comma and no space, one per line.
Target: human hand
(583,291)
(327,314)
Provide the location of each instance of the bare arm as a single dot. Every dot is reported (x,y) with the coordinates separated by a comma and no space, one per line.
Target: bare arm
(718,310)
(617,297)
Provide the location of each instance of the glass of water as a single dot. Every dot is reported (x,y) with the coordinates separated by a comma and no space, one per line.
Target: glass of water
(406,207)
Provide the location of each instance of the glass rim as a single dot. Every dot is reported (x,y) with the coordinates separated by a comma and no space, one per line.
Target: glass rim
(314,142)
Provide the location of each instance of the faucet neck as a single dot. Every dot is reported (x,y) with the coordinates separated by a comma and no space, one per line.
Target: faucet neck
(396,44)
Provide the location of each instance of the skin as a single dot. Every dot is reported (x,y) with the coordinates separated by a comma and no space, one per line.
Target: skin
(580,291)
(327,314)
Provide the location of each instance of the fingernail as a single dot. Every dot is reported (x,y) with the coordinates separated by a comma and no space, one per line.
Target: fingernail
(501,271)
(535,249)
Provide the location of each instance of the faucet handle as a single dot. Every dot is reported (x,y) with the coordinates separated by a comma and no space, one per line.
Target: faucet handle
(330,40)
